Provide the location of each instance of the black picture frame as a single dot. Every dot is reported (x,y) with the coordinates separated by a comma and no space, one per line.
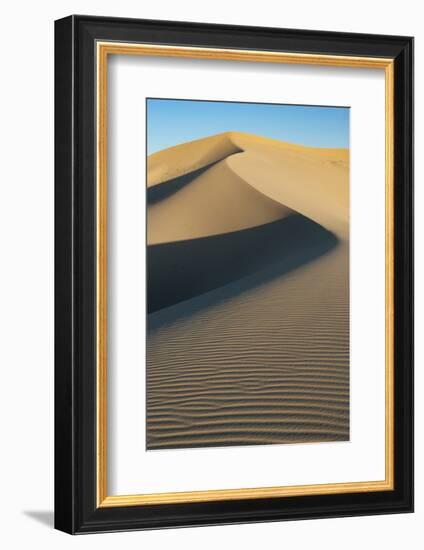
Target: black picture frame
(76,509)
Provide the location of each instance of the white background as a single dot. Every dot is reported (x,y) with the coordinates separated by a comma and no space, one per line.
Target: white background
(132,469)
(26,289)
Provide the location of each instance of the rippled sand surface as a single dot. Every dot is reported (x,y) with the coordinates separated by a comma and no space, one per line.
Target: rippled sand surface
(269,366)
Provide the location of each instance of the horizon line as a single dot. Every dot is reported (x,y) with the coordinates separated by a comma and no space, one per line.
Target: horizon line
(244,133)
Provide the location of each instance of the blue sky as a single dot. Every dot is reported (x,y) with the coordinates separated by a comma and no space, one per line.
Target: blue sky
(170,122)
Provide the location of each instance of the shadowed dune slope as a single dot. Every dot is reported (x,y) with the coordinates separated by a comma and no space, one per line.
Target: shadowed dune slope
(248,293)
(183,269)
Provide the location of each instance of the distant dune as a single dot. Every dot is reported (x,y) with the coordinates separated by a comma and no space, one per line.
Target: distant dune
(248,293)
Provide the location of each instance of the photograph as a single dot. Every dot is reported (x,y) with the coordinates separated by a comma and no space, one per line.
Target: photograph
(247,273)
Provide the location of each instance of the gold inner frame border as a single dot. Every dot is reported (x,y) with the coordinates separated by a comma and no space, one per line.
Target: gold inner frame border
(103,50)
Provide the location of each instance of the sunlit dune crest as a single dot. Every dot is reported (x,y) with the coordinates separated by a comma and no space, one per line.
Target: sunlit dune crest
(244,181)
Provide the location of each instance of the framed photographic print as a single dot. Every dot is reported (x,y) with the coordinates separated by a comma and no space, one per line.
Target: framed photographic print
(233,274)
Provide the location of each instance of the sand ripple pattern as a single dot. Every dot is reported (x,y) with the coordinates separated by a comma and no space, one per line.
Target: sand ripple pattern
(269,365)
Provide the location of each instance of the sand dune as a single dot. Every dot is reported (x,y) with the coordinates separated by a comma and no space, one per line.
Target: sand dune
(217,201)
(311,181)
(248,293)
(188,157)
